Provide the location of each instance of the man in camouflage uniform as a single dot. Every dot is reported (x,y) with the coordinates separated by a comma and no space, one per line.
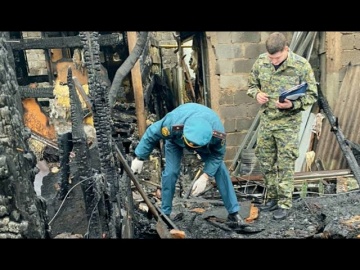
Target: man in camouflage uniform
(197,128)
(278,138)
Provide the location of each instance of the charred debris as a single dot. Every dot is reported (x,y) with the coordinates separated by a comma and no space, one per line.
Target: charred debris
(90,192)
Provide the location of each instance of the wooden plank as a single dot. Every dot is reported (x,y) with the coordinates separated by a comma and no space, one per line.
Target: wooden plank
(137,86)
(298,175)
(305,138)
(188,78)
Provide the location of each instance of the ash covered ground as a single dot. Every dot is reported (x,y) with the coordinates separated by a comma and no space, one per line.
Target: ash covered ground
(327,217)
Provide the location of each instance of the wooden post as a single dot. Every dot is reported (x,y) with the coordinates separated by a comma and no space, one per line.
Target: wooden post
(137,86)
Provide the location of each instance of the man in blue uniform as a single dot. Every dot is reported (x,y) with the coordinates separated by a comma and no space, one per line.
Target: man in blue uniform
(195,127)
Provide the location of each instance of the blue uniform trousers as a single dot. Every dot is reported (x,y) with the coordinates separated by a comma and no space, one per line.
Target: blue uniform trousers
(173,156)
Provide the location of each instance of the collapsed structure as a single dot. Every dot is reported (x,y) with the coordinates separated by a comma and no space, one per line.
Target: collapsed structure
(91,136)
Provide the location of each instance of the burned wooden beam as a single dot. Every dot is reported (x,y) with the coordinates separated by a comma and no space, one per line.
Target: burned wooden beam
(44,140)
(349,155)
(43,92)
(81,168)
(98,91)
(65,146)
(62,42)
(298,175)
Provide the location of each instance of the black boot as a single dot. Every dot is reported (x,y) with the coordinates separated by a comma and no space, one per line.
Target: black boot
(269,206)
(234,220)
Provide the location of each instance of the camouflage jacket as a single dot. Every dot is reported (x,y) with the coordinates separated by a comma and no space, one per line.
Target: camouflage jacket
(295,70)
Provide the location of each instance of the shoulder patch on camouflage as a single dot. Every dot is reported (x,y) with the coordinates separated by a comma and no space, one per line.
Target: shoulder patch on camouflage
(165,131)
(177,127)
(218,134)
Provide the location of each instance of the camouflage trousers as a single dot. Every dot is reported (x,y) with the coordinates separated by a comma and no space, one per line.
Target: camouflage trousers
(277,150)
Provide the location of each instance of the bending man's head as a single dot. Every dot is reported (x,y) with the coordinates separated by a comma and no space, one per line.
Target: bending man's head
(197,132)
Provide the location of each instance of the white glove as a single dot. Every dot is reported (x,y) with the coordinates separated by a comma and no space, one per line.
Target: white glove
(199,185)
(136,165)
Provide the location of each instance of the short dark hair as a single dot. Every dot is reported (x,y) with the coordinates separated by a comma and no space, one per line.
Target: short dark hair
(276,42)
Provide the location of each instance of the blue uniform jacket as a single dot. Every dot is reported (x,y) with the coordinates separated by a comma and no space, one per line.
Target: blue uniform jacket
(170,127)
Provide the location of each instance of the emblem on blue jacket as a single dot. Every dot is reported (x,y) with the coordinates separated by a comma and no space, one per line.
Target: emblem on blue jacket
(165,131)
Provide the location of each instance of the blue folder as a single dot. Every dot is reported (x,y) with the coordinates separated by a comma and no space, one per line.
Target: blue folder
(294,92)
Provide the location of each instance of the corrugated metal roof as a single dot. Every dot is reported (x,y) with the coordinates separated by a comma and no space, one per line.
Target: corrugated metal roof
(347,111)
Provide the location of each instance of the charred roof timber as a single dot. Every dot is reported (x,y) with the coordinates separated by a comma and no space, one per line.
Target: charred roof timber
(62,42)
(343,143)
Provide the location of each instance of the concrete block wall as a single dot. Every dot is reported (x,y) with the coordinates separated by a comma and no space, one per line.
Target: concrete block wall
(350,45)
(340,49)
(231,56)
